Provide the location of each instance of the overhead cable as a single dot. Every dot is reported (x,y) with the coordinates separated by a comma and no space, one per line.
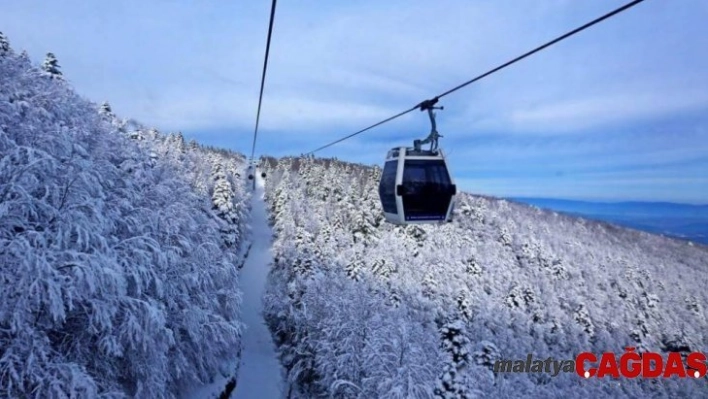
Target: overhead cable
(497,69)
(265,68)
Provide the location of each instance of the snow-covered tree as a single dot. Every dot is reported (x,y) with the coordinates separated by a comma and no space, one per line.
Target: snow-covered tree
(4,45)
(193,145)
(51,66)
(181,144)
(518,280)
(452,383)
(106,109)
(112,279)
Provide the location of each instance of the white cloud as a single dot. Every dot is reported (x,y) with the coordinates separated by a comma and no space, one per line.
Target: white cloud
(593,112)
(337,67)
(283,112)
(365,57)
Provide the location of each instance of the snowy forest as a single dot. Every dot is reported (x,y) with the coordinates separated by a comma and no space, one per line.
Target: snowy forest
(121,248)
(363,309)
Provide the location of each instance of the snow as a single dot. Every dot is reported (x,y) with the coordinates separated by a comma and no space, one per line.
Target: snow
(214,389)
(118,278)
(359,303)
(260,375)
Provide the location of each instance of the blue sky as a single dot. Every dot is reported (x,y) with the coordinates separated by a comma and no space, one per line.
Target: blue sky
(618,112)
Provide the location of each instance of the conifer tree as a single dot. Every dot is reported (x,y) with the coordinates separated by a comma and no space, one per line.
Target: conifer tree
(51,66)
(106,109)
(452,383)
(4,44)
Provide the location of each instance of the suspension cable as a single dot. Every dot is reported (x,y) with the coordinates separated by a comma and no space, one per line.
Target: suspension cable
(497,69)
(265,67)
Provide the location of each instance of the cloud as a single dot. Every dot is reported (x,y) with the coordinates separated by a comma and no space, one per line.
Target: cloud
(205,111)
(361,56)
(603,150)
(579,114)
(678,190)
(626,96)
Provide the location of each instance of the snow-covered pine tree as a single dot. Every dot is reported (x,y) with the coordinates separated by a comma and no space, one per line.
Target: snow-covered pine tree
(222,198)
(430,286)
(24,59)
(193,145)
(472,267)
(51,66)
(380,267)
(452,383)
(354,270)
(105,109)
(486,354)
(4,44)
(302,265)
(181,144)
(464,306)
(361,227)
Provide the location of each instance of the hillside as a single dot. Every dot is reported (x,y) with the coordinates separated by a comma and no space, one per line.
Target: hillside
(119,247)
(364,309)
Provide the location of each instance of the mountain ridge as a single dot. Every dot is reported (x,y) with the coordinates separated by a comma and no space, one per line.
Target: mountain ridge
(677,220)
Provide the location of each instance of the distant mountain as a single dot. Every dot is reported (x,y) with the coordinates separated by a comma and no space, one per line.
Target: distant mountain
(685,221)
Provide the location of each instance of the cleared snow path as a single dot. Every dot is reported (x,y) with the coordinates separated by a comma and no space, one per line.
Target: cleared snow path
(260,375)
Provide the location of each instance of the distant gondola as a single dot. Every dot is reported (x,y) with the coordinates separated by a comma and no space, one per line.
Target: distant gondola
(251,168)
(416,186)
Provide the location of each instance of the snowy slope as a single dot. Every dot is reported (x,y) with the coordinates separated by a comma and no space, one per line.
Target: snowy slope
(118,247)
(260,375)
(256,372)
(363,309)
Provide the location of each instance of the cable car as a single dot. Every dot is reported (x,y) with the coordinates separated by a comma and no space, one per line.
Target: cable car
(416,186)
(251,169)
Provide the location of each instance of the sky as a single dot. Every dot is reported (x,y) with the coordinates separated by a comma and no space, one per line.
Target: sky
(617,112)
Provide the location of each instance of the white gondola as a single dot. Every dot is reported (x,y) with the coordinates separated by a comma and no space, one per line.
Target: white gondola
(416,186)
(252,165)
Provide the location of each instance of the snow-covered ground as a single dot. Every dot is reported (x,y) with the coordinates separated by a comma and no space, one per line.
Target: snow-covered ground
(260,374)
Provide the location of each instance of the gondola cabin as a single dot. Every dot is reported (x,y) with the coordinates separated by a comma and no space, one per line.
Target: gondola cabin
(416,187)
